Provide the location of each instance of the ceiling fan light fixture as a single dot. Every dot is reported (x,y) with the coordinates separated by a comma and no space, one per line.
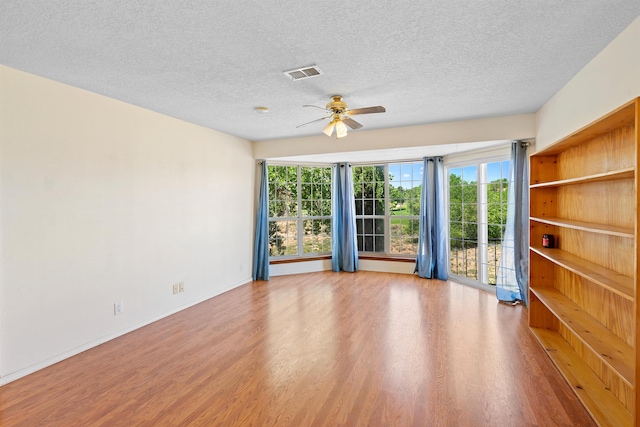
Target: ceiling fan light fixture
(328,129)
(341,129)
(340,116)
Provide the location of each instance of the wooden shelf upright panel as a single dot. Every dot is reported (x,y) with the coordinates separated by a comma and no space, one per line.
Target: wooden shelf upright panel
(583,292)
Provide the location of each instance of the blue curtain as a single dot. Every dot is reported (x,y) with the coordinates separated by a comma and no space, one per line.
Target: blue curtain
(512,282)
(261,244)
(432,241)
(344,246)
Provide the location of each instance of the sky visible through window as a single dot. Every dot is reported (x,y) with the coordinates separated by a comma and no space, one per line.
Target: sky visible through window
(493,170)
(413,178)
(405,177)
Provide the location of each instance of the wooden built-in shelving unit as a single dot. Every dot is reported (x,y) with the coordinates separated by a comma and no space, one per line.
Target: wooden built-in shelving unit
(583,292)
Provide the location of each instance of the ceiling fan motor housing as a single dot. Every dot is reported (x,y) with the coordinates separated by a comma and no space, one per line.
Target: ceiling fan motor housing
(337,105)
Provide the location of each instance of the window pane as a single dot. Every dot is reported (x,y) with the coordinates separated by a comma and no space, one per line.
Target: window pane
(379,173)
(379,243)
(359,207)
(306,207)
(470,254)
(470,174)
(368,243)
(470,241)
(394,175)
(326,242)
(317,236)
(469,193)
(494,252)
(326,208)
(368,226)
(496,210)
(470,231)
(418,172)
(326,189)
(495,233)
(358,190)
(357,175)
(368,207)
(470,213)
(283,238)
(455,212)
(463,218)
(313,200)
(306,191)
(283,191)
(455,176)
(404,236)
(403,183)
(316,207)
(455,230)
(493,172)
(413,206)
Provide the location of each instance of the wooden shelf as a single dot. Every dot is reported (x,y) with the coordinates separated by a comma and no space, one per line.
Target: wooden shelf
(615,282)
(605,409)
(591,227)
(583,295)
(626,173)
(614,352)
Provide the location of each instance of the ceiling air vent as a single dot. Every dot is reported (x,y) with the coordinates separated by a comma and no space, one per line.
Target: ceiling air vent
(303,73)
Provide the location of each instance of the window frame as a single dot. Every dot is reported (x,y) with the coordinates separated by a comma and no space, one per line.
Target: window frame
(387,217)
(299,219)
(482,216)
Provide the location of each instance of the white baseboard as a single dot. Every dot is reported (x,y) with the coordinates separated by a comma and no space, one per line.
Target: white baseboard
(299,267)
(77,350)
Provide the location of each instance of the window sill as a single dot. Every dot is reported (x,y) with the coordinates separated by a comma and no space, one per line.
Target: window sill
(299,259)
(325,257)
(386,258)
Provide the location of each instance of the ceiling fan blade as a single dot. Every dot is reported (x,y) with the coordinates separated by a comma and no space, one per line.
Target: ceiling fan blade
(315,106)
(351,123)
(366,110)
(312,121)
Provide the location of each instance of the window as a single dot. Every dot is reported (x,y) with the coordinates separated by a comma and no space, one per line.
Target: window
(387,207)
(405,186)
(463,221)
(299,210)
(477,218)
(494,193)
(370,195)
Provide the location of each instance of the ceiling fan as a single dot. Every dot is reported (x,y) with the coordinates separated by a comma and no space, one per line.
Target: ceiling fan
(341,116)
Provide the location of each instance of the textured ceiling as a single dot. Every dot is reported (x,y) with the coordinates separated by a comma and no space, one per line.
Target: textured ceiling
(213,62)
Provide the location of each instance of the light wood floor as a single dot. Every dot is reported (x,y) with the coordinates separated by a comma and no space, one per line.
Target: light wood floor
(325,349)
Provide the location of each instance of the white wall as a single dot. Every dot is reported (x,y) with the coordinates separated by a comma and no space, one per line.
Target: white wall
(299,267)
(520,126)
(101,201)
(611,79)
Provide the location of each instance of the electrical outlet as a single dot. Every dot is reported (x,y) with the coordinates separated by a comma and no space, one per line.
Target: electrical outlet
(181,287)
(175,288)
(241,267)
(118,308)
